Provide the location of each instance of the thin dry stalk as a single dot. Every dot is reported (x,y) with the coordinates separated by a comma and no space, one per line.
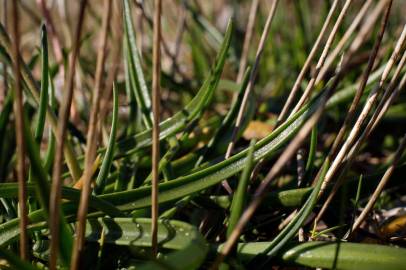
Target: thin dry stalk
(247,40)
(261,191)
(347,35)
(180,29)
(66,21)
(56,186)
(156,75)
(4,64)
(383,103)
(165,46)
(19,126)
(306,65)
(139,30)
(367,26)
(380,187)
(372,98)
(250,86)
(361,87)
(32,14)
(287,220)
(253,75)
(57,48)
(55,39)
(33,87)
(56,43)
(320,63)
(376,117)
(116,25)
(104,108)
(92,139)
(387,104)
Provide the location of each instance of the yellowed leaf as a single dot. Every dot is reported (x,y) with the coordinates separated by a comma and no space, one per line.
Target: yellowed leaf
(79,183)
(391,228)
(257,130)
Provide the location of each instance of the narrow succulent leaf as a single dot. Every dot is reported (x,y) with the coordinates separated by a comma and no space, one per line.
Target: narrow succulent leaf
(286,198)
(226,124)
(4,116)
(9,231)
(41,178)
(191,111)
(332,255)
(178,188)
(137,231)
(348,92)
(185,240)
(240,196)
(312,150)
(204,178)
(108,156)
(43,103)
(41,118)
(137,78)
(42,191)
(198,55)
(15,261)
(292,228)
(33,90)
(180,238)
(50,153)
(10,190)
(134,114)
(212,34)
